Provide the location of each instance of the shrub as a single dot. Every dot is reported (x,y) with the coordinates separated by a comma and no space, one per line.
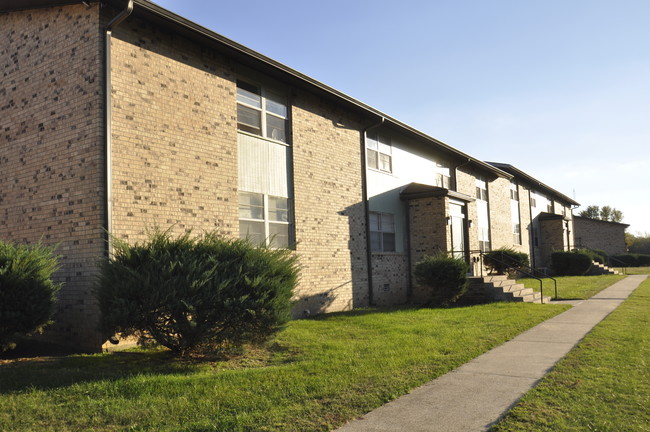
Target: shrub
(627,260)
(570,263)
(444,277)
(642,260)
(631,260)
(594,255)
(501,260)
(27,292)
(196,294)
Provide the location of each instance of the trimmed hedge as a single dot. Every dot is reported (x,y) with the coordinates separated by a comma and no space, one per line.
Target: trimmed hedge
(196,295)
(27,292)
(501,260)
(444,277)
(594,255)
(631,260)
(570,263)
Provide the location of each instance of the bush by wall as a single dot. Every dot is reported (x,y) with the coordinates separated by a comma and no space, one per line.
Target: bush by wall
(27,292)
(570,263)
(594,255)
(196,294)
(444,277)
(501,260)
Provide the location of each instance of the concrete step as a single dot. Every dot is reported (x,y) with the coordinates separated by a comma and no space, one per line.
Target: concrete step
(514,287)
(492,278)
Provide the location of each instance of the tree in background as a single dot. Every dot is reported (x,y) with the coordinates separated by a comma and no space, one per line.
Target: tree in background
(639,243)
(606,213)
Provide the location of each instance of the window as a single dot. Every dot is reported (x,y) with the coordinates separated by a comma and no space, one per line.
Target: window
(514,191)
(481,189)
(484,239)
(549,207)
(516,233)
(442,176)
(264,219)
(514,210)
(261,112)
(379,153)
(382,232)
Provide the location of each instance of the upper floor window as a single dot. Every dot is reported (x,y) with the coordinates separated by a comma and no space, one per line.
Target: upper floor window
(549,207)
(261,112)
(382,232)
(481,189)
(442,176)
(514,191)
(379,153)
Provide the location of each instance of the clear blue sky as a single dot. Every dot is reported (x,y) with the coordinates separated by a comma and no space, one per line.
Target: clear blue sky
(557,88)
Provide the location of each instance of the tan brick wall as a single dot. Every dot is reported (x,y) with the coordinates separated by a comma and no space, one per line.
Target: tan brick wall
(51,149)
(500,213)
(428,233)
(390,281)
(329,213)
(174,159)
(552,239)
(595,234)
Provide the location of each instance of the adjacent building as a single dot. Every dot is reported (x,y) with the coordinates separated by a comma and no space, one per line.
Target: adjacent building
(600,235)
(120,116)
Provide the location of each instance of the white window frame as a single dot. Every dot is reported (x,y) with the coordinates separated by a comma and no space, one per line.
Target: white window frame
(263,110)
(516,233)
(267,222)
(382,147)
(382,231)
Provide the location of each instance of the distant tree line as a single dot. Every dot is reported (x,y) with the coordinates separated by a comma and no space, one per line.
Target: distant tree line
(604,213)
(639,243)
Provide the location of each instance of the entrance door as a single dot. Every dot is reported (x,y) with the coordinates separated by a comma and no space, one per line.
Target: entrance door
(458,230)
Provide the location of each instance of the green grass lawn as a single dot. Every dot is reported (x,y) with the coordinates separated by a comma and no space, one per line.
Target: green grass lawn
(318,374)
(635,270)
(601,385)
(573,287)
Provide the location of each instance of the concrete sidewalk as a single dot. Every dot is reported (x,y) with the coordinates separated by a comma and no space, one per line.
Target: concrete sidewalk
(477,394)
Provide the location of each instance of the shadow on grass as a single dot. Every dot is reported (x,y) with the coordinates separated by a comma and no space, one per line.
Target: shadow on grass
(57,371)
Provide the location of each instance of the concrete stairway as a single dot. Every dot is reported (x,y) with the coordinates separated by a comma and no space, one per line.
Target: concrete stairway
(601,269)
(499,288)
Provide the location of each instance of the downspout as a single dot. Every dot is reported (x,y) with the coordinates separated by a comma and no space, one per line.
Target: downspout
(364,197)
(108,116)
(456,173)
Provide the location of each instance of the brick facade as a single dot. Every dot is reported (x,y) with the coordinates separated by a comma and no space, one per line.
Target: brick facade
(173,161)
(602,235)
(329,211)
(174,141)
(51,149)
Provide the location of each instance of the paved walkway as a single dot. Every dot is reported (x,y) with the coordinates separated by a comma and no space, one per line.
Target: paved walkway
(477,394)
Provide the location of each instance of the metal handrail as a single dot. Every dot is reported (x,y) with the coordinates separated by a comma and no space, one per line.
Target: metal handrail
(609,258)
(623,266)
(522,268)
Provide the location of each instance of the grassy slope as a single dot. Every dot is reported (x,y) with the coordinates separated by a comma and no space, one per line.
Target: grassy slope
(320,373)
(573,287)
(602,385)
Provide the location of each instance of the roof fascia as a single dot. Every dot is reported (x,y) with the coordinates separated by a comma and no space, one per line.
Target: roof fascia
(151,11)
(519,174)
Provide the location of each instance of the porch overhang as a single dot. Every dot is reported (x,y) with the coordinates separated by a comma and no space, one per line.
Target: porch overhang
(419,190)
(552,216)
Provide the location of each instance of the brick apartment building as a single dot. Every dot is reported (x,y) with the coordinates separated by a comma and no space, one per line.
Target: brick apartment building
(197,132)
